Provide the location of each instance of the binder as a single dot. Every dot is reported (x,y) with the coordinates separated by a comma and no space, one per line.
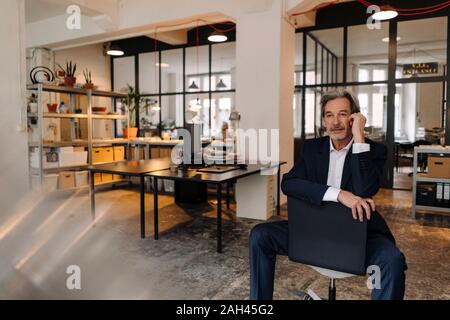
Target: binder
(446,194)
(439,194)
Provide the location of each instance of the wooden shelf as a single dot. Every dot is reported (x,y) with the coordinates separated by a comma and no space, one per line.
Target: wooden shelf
(89,116)
(60,89)
(432,149)
(99,93)
(68,168)
(110,141)
(424,178)
(70,90)
(109,116)
(60,115)
(59,144)
(433,208)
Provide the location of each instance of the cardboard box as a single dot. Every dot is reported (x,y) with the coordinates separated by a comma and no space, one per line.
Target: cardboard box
(66,180)
(108,154)
(154,152)
(97,155)
(439,167)
(119,153)
(107,177)
(81,178)
(97,178)
(165,152)
(79,149)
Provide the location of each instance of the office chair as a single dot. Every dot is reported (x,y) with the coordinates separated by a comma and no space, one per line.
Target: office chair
(327,239)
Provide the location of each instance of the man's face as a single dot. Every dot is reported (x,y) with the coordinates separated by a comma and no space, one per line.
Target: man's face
(337,119)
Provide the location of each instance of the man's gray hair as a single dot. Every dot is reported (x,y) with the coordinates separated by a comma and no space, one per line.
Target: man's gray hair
(339,93)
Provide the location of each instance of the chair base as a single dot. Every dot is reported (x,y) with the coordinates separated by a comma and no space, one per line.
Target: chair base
(311,295)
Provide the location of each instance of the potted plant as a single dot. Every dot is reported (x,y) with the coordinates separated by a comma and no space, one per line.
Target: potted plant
(88,78)
(69,73)
(131,101)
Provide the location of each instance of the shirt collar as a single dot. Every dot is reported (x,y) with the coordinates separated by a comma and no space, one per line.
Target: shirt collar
(346,148)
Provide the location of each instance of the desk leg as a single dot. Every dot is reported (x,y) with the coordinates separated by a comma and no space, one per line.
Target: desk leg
(228,195)
(219,218)
(155,206)
(278,190)
(142,187)
(92,193)
(147,152)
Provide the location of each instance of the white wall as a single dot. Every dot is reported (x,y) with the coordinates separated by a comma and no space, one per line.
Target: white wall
(265,76)
(13,143)
(92,58)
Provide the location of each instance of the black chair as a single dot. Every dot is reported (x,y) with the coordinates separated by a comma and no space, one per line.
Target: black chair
(328,239)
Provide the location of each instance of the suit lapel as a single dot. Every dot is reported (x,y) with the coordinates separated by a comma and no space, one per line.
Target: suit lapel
(347,172)
(323,160)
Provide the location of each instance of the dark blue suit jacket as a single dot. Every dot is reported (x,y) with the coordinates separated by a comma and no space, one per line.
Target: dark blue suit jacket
(362,174)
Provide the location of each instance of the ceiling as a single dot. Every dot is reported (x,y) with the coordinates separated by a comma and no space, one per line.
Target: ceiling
(37,10)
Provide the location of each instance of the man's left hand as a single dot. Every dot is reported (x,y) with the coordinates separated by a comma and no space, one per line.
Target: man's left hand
(359,122)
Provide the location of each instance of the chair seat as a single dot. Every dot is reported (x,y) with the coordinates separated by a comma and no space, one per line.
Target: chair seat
(333,274)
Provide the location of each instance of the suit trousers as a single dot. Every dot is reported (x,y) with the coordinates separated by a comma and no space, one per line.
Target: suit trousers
(267,240)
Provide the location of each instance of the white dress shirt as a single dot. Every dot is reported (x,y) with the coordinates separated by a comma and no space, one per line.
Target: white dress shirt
(336,167)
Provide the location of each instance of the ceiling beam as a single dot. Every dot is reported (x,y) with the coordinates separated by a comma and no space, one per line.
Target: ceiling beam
(176,37)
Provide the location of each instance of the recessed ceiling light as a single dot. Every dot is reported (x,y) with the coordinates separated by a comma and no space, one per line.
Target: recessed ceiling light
(387,39)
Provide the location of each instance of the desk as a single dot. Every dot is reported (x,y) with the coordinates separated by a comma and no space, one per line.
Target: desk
(148,143)
(129,169)
(213,178)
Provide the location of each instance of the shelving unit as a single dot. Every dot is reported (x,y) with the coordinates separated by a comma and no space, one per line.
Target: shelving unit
(89,115)
(420,177)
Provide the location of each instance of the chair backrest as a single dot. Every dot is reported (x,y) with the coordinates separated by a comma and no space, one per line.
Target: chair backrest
(326,236)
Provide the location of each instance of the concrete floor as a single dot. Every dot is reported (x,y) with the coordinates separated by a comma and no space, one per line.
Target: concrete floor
(48,234)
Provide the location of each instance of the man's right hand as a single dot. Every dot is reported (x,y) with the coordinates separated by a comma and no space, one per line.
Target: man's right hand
(357,204)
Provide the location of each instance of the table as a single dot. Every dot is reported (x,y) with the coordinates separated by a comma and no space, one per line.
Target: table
(213,178)
(129,169)
(148,143)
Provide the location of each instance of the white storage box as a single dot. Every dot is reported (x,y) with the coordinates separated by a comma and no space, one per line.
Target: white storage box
(49,182)
(65,149)
(49,159)
(67,159)
(81,178)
